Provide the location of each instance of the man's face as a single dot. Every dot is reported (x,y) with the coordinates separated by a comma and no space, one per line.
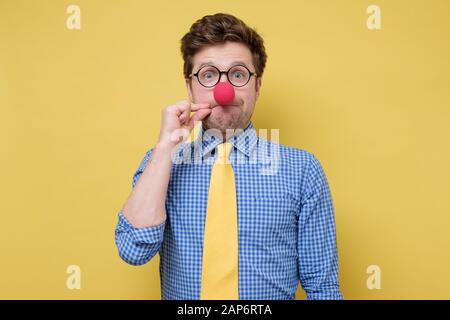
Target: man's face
(238,113)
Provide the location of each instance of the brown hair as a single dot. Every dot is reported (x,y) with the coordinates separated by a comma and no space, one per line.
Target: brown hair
(217,29)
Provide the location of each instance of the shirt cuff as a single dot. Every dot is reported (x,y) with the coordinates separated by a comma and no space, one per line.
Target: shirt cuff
(325,296)
(147,235)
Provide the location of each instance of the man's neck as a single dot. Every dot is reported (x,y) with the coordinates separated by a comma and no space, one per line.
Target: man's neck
(232,131)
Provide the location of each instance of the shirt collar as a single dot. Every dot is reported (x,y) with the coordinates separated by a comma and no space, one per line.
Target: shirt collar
(244,140)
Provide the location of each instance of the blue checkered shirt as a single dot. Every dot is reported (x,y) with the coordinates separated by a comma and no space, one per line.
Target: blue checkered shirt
(286,225)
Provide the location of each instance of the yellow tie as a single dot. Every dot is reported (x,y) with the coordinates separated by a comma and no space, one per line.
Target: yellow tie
(220,245)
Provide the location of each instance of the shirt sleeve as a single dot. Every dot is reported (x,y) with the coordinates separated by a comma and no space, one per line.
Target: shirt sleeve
(317,247)
(137,246)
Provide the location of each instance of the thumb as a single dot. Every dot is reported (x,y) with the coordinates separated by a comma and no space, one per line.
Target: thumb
(198,116)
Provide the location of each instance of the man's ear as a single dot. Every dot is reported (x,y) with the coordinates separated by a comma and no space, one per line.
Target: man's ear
(189,90)
(258,84)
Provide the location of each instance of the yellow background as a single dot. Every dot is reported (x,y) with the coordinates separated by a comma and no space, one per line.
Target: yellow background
(79,108)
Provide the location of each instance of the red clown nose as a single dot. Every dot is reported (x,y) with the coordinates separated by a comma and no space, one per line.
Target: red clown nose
(224,93)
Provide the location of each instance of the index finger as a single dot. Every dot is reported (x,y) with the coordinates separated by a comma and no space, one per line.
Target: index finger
(198,106)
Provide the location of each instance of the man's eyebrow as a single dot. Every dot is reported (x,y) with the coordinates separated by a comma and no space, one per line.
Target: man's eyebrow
(206,63)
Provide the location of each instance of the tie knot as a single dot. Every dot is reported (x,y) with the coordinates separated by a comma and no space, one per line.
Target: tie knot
(223,152)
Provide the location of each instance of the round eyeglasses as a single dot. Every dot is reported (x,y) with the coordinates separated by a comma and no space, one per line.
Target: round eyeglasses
(209,76)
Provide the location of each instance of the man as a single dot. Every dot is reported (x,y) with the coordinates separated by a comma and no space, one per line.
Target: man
(223,227)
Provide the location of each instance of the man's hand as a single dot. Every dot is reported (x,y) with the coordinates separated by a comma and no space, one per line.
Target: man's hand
(177,117)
